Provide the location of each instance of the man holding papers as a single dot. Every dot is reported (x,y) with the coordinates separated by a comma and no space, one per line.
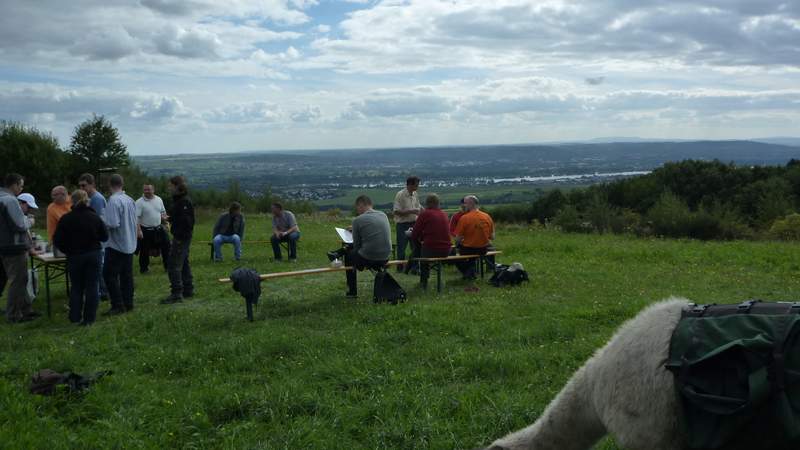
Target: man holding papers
(371,242)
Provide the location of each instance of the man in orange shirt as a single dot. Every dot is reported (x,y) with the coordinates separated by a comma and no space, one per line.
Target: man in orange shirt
(474,232)
(61,205)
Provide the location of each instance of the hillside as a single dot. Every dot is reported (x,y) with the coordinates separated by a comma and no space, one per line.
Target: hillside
(330,170)
(318,371)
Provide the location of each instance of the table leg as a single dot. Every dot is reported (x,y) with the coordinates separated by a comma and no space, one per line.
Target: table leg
(47,286)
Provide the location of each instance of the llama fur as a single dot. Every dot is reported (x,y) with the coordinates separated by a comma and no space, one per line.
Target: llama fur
(623,389)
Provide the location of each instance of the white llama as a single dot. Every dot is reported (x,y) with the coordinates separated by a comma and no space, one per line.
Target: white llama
(623,390)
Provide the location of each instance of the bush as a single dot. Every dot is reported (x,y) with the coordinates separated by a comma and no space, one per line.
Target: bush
(568,219)
(517,213)
(786,229)
(601,215)
(670,216)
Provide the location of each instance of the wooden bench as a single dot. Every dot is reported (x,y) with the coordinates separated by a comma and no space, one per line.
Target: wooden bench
(300,273)
(437,263)
(211,246)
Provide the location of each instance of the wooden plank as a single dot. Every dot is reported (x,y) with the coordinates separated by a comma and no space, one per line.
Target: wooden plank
(458,257)
(299,273)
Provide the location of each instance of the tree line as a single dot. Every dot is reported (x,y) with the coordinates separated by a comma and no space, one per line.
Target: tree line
(96,147)
(691,198)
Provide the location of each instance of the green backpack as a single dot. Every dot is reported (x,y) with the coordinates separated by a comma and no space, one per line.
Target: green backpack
(737,372)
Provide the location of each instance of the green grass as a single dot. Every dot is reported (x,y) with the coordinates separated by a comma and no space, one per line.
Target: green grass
(318,371)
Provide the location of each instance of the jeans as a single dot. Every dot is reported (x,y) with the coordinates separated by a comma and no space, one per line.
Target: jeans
(83,273)
(180,274)
(153,237)
(358,262)
(16,269)
(223,239)
(118,273)
(402,239)
(468,267)
(291,238)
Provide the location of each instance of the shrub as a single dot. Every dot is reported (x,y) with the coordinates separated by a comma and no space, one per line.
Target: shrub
(786,229)
(670,216)
(516,213)
(568,219)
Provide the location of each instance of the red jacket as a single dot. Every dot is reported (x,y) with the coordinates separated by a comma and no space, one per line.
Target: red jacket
(432,229)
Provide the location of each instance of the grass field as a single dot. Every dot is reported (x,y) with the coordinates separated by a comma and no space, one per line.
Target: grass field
(318,371)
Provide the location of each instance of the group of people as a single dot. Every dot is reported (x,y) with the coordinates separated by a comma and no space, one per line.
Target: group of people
(428,231)
(99,237)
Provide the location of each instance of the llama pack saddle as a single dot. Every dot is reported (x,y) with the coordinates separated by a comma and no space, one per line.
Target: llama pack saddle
(737,373)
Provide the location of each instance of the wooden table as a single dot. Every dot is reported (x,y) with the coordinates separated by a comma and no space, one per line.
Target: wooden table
(54,268)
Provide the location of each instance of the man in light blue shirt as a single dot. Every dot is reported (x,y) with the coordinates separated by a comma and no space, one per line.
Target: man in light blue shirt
(98,203)
(123,232)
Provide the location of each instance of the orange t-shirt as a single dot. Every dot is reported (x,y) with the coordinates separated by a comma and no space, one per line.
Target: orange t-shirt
(54,213)
(476,229)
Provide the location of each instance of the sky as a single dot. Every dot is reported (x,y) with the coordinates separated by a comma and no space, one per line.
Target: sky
(201,76)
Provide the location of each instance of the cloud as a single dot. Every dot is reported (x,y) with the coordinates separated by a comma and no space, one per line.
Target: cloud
(415,35)
(594,81)
(401,104)
(251,112)
(192,43)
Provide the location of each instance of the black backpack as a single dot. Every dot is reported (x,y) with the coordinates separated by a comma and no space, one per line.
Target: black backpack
(386,289)
(503,276)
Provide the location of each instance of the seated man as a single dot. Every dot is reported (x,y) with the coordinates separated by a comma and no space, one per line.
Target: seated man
(284,229)
(229,229)
(431,235)
(474,231)
(372,242)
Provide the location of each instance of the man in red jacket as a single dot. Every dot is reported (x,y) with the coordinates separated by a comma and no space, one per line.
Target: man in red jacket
(431,233)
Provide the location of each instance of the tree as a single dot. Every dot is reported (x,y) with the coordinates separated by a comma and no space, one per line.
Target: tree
(96,145)
(33,154)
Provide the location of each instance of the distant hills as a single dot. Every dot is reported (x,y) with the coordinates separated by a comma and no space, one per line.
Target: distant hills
(454,165)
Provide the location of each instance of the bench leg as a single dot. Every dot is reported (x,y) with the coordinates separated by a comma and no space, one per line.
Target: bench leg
(438,277)
(481,260)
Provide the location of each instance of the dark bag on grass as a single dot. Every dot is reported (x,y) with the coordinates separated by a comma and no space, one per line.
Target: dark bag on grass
(737,373)
(508,275)
(386,289)
(47,382)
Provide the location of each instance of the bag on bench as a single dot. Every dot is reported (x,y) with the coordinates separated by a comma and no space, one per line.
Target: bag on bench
(387,289)
(508,275)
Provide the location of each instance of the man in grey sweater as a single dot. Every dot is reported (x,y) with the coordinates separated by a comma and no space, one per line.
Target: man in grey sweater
(15,243)
(372,242)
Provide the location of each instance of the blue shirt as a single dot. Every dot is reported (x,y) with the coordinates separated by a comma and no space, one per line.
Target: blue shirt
(120,218)
(98,203)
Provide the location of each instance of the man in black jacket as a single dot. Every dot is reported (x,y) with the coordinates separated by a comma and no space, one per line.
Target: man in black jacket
(181,218)
(229,229)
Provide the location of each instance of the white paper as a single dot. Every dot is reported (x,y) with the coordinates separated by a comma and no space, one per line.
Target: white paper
(346,236)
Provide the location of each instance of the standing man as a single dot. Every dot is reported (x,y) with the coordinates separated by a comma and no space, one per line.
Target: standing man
(229,229)
(97,202)
(151,214)
(123,230)
(15,243)
(474,233)
(406,207)
(60,205)
(181,216)
(372,242)
(284,228)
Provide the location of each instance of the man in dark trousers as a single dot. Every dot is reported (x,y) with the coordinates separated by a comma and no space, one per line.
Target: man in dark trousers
(15,243)
(372,242)
(181,218)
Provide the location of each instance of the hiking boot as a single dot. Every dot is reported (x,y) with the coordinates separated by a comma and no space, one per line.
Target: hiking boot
(171,299)
(188,295)
(114,311)
(351,294)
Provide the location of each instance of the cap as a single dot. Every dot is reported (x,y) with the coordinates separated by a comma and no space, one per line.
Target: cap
(28,198)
